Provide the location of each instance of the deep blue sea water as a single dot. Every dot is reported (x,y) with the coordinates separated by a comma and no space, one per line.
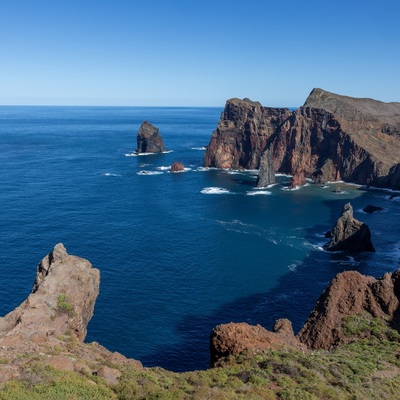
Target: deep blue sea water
(178,253)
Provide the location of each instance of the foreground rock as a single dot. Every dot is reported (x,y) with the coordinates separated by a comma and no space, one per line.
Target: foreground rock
(149,140)
(349,234)
(55,316)
(350,293)
(177,167)
(330,138)
(236,338)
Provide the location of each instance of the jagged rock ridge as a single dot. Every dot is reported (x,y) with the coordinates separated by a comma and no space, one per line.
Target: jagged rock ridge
(349,294)
(330,138)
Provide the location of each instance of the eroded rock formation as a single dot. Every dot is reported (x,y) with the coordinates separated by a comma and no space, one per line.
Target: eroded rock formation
(149,139)
(349,294)
(349,234)
(330,138)
(266,175)
(55,316)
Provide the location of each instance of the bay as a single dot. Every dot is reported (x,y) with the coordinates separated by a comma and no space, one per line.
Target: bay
(178,253)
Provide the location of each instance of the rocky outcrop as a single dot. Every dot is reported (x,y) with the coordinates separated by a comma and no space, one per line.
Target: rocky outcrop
(149,140)
(177,167)
(242,134)
(298,179)
(56,315)
(349,234)
(370,209)
(350,293)
(266,174)
(236,338)
(62,299)
(330,138)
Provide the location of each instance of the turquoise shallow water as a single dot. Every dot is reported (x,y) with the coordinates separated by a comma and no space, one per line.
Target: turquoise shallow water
(178,253)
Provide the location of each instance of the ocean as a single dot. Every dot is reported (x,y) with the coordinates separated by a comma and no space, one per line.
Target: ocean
(179,253)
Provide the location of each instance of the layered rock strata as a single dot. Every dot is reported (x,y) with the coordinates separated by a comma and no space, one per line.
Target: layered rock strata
(349,234)
(330,138)
(149,139)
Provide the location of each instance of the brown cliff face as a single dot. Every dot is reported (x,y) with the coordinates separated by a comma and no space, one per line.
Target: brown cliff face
(330,138)
(242,134)
(350,293)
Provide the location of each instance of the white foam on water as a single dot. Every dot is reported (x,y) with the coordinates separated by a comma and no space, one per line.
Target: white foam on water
(215,190)
(293,266)
(258,192)
(144,172)
(199,148)
(164,168)
(109,174)
(287,188)
(135,154)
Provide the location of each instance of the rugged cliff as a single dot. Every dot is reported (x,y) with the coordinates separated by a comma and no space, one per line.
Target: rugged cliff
(149,139)
(330,138)
(349,295)
(50,324)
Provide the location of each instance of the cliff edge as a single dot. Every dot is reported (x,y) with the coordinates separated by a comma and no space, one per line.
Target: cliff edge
(330,138)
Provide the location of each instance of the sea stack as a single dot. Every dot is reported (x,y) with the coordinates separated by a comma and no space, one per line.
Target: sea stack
(266,174)
(349,234)
(149,139)
(177,167)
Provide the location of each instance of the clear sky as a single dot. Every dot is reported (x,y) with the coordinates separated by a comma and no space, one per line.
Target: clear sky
(196,53)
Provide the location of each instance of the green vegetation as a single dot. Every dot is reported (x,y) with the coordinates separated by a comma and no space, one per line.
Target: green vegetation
(63,305)
(366,368)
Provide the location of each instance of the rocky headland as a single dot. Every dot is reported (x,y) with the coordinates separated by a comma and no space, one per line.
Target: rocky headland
(330,138)
(43,354)
(149,139)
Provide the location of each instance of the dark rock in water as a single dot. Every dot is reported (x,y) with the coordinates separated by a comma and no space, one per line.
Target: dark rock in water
(177,167)
(330,138)
(349,234)
(149,140)
(266,174)
(371,209)
(337,190)
(349,293)
(298,179)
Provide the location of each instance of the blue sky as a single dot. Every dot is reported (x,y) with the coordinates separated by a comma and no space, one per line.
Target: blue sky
(196,53)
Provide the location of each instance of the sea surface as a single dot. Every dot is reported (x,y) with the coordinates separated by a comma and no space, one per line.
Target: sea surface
(179,253)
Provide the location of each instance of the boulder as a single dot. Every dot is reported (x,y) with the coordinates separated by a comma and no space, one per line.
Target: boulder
(349,234)
(370,209)
(149,140)
(177,167)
